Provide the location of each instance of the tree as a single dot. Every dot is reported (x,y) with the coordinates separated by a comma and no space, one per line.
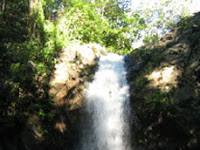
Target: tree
(162,17)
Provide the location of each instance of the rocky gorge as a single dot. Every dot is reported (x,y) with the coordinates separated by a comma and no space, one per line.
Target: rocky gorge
(75,67)
(164,89)
(164,81)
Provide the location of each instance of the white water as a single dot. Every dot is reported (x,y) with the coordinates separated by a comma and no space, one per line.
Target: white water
(107,105)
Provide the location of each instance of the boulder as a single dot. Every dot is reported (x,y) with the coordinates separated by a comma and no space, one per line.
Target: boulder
(74,67)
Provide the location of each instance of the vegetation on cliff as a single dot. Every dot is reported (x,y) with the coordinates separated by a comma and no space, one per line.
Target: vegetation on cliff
(38,36)
(34,34)
(164,80)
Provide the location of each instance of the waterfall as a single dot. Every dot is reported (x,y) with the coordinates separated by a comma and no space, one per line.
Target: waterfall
(107,107)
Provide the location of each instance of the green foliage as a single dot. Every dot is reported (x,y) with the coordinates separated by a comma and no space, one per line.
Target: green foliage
(170,115)
(161,17)
(140,81)
(34,32)
(103,23)
(151,39)
(28,50)
(183,25)
(82,23)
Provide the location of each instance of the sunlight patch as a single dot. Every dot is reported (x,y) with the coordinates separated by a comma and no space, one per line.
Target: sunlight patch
(165,79)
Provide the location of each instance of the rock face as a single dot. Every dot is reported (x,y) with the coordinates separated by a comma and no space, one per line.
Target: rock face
(59,127)
(164,83)
(74,67)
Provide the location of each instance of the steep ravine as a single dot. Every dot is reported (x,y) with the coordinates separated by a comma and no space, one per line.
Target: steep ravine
(59,127)
(76,66)
(164,80)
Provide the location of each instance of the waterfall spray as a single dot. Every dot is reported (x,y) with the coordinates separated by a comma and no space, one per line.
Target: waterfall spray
(107,105)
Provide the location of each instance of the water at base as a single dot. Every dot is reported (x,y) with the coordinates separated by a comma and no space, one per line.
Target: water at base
(107,105)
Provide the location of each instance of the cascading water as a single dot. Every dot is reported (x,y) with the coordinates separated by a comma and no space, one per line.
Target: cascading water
(107,106)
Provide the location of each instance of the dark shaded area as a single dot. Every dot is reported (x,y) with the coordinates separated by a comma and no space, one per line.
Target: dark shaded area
(170,119)
(25,103)
(28,116)
(65,131)
(27,113)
